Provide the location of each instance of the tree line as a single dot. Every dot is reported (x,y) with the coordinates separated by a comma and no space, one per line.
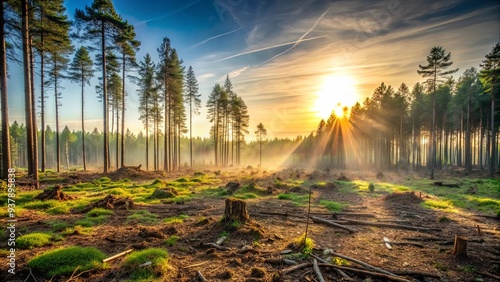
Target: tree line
(168,94)
(438,123)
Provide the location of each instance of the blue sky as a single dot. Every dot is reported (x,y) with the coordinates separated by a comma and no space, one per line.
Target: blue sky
(281,54)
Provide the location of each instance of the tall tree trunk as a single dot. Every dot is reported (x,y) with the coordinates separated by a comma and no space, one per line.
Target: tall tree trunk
(117,142)
(481,134)
(6,157)
(33,104)
(43,145)
(493,150)
(191,132)
(104,99)
(58,147)
(468,153)
(84,157)
(122,140)
(30,139)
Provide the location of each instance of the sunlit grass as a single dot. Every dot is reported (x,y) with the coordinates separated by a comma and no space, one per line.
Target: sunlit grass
(332,205)
(143,216)
(175,219)
(295,198)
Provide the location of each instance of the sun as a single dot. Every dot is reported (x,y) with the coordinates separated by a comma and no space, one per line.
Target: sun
(337,94)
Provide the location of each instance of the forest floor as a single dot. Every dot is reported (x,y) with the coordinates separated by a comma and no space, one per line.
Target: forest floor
(186,222)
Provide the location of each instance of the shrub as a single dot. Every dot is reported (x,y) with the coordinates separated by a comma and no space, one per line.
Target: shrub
(371,187)
(64,261)
(33,240)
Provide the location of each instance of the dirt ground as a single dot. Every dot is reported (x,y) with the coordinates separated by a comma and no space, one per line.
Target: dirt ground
(254,251)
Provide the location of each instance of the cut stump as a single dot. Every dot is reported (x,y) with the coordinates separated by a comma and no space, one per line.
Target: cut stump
(460,248)
(235,210)
(55,193)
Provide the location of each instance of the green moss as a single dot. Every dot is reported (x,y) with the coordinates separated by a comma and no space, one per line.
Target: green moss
(297,199)
(172,240)
(66,260)
(95,212)
(175,219)
(158,268)
(305,244)
(57,225)
(33,240)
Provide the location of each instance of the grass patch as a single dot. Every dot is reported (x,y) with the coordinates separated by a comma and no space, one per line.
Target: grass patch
(64,261)
(306,246)
(246,196)
(332,205)
(172,240)
(438,204)
(77,230)
(143,216)
(95,212)
(156,270)
(33,240)
(57,225)
(175,219)
(295,198)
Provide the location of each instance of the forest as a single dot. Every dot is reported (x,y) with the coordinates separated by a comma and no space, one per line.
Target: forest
(419,163)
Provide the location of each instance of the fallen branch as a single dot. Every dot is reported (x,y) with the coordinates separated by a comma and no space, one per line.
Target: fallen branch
(281,214)
(213,245)
(317,271)
(200,276)
(396,226)
(366,272)
(345,277)
(322,220)
(280,261)
(197,264)
(408,243)
(485,273)
(221,240)
(148,263)
(369,266)
(333,215)
(296,267)
(416,273)
(117,255)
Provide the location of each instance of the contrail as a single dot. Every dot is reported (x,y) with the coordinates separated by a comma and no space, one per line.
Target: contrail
(169,14)
(267,48)
(301,39)
(222,34)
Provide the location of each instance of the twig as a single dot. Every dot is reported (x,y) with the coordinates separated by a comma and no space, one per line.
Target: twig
(118,255)
(318,271)
(197,264)
(340,272)
(308,213)
(322,220)
(280,261)
(396,226)
(376,274)
(200,276)
(295,267)
(31,274)
(369,266)
(72,274)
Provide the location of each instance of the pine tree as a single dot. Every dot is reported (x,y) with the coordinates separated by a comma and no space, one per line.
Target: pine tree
(261,133)
(193,99)
(128,46)
(100,22)
(490,75)
(6,152)
(81,71)
(437,63)
(147,93)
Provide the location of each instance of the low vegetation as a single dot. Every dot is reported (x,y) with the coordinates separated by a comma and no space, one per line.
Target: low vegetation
(157,269)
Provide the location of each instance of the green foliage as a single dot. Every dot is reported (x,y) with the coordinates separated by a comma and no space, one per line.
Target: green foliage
(57,225)
(246,196)
(33,240)
(332,205)
(64,261)
(172,240)
(159,267)
(182,179)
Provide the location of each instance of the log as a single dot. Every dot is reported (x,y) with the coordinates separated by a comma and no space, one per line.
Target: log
(396,226)
(408,243)
(460,248)
(369,266)
(322,220)
(485,273)
(317,271)
(366,272)
(333,215)
(281,214)
(118,255)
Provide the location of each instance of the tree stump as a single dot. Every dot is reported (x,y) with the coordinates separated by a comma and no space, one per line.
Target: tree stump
(460,248)
(55,193)
(236,210)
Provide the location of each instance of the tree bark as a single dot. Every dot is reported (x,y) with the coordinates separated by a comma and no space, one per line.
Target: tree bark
(235,210)
(6,158)
(460,248)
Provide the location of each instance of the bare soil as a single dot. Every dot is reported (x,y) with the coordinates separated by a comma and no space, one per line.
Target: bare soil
(243,255)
